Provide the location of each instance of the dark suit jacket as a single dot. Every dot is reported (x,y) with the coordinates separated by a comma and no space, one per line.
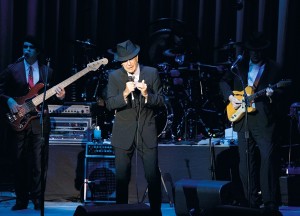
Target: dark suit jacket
(126,117)
(13,84)
(266,111)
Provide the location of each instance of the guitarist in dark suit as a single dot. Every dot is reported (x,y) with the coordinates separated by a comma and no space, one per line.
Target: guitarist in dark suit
(18,80)
(133,91)
(257,71)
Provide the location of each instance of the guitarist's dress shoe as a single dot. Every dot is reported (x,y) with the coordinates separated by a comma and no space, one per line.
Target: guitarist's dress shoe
(19,207)
(37,204)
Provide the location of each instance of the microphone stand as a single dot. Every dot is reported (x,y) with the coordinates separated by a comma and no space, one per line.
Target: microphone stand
(97,87)
(246,131)
(43,175)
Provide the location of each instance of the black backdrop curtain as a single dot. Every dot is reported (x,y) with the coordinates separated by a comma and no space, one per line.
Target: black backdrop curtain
(204,25)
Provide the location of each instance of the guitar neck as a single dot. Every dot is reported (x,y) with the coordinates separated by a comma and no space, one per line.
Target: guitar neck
(261,92)
(49,93)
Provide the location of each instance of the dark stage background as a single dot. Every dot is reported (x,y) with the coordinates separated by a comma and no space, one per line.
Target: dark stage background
(189,37)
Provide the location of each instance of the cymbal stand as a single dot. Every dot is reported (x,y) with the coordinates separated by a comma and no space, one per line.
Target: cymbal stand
(187,122)
(165,188)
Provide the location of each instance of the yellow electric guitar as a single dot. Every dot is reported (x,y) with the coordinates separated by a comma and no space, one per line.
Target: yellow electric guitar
(237,114)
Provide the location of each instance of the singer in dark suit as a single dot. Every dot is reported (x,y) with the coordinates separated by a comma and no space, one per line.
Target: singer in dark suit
(133,91)
(30,147)
(257,71)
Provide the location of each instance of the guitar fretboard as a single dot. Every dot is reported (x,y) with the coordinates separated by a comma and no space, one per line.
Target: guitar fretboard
(49,93)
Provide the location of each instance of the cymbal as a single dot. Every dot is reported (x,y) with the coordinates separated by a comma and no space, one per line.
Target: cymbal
(86,44)
(112,51)
(173,52)
(229,46)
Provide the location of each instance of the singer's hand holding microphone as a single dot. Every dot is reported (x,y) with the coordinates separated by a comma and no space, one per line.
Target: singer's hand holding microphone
(130,86)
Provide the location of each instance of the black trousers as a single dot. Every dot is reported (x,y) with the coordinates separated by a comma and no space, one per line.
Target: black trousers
(31,160)
(149,158)
(263,165)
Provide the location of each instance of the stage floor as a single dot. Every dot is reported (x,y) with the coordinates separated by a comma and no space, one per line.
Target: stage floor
(67,208)
(177,161)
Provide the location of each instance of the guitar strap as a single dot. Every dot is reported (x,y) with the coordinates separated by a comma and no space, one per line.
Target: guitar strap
(260,71)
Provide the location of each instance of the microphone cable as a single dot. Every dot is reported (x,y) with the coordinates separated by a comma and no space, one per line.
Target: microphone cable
(137,145)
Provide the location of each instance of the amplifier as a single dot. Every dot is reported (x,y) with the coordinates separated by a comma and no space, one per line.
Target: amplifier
(70,129)
(99,173)
(99,149)
(70,109)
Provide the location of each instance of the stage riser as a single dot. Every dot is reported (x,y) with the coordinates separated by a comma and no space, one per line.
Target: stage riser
(66,169)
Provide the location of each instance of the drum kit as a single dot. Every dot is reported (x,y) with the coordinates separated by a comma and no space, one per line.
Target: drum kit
(194,108)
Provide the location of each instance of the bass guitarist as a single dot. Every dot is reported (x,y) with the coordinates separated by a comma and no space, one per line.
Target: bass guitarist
(255,71)
(31,148)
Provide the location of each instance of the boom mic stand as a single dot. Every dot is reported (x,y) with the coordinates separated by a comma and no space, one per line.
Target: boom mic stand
(43,174)
(246,130)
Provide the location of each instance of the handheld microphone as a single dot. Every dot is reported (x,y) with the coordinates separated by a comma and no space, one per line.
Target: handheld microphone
(238,59)
(131,79)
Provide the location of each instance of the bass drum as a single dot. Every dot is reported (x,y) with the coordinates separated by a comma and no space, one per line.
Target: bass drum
(164,119)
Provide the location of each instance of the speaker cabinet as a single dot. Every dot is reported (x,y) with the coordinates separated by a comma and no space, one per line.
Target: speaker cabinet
(197,195)
(290,190)
(114,210)
(99,180)
(222,210)
(65,171)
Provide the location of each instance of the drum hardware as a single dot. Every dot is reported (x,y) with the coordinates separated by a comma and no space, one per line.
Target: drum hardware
(84,49)
(163,67)
(193,106)
(100,78)
(226,63)
(187,128)
(164,120)
(294,117)
(179,59)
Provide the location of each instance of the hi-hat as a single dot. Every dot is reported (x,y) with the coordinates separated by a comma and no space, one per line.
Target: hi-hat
(86,43)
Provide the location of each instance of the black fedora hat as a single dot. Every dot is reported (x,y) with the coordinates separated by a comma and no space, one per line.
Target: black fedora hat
(257,41)
(126,51)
